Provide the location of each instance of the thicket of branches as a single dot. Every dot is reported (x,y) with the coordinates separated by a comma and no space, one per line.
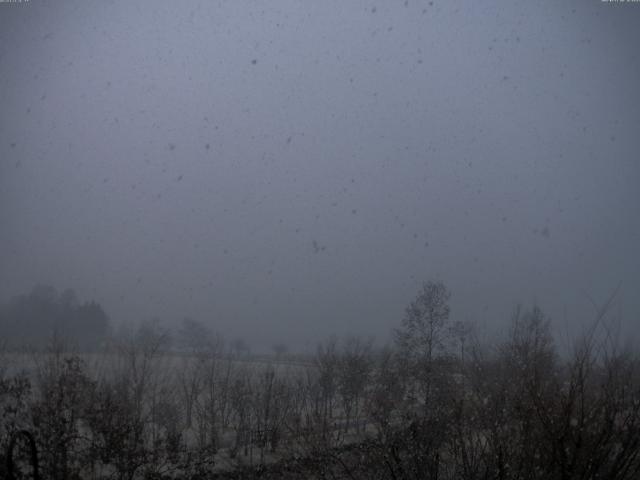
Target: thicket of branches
(437,404)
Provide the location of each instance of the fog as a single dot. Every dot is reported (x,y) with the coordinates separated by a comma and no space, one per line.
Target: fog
(287,170)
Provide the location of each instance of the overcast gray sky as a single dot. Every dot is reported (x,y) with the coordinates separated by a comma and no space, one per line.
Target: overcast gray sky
(290,169)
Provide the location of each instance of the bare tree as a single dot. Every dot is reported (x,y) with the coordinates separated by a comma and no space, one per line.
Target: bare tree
(64,390)
(327,365)
(194,336)
(461,332)
(353,378)
(423,332)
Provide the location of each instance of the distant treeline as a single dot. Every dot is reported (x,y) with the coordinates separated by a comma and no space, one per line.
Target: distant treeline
(32,320)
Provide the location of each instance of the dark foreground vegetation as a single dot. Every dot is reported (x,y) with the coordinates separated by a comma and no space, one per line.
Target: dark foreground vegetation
(438,404)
